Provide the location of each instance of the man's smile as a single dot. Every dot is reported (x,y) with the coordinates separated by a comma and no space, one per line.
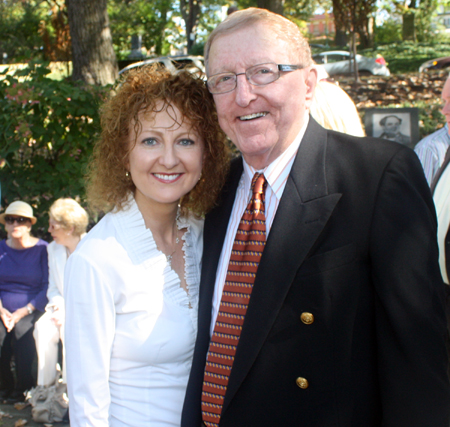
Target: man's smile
(253,116)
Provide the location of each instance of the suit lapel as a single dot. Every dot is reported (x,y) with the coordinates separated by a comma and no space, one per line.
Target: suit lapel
(303,212)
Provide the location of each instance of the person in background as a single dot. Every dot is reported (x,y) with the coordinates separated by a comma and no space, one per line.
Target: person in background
(432,149)
(335,110)
(67,225)
(23,289)
(434,153)
(321,300)
(131,287)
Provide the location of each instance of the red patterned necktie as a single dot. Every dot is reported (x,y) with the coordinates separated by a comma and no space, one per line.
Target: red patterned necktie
(244,260)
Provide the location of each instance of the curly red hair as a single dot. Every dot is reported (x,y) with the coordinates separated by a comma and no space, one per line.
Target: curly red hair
(140,91)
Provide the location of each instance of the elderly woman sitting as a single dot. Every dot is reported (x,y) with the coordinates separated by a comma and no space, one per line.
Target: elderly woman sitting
(67,225)
(23,288)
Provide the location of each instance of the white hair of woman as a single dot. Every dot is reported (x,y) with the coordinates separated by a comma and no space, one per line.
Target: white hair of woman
(334,109)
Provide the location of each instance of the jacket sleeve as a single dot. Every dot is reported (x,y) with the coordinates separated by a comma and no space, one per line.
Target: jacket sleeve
(409,292)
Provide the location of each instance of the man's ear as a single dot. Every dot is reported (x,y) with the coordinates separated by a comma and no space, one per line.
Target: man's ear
(310,81)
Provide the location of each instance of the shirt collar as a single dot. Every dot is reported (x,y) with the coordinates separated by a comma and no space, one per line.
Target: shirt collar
(273,171)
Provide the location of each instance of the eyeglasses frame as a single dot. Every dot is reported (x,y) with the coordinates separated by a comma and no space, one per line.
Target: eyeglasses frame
(281,67)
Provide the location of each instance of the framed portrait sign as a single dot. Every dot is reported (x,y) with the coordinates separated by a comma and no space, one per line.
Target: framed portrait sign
(396,124)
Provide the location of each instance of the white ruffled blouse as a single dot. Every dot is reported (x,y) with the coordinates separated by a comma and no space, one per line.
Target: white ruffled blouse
(130,327)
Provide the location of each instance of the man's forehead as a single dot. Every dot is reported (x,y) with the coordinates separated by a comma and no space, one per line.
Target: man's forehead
(268,47)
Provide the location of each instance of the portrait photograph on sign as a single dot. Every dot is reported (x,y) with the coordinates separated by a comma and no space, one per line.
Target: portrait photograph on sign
(395,124)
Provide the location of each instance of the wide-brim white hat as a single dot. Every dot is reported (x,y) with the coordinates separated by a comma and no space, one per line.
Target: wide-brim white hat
(20,209)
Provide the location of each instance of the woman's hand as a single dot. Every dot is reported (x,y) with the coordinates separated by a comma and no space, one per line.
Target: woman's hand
(5,315)
(19,314)
(57,315)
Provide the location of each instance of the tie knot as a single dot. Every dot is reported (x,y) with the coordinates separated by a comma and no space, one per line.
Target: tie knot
(258,183)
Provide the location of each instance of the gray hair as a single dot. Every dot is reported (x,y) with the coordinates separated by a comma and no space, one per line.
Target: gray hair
(69,214)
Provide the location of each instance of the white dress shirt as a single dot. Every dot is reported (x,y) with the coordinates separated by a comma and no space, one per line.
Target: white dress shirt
(431,151)
(277,174)
(441,198)
(130,327)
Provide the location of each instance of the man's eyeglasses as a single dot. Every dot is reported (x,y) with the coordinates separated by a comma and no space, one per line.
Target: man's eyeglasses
(258,75)
(18,219)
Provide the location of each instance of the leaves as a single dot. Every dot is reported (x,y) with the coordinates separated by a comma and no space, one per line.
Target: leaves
(421,90)
(46,141)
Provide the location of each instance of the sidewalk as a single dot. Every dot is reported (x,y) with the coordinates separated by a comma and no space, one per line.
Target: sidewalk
(13,416)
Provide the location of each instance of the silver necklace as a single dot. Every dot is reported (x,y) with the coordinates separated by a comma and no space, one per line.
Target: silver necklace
(169,257)
(177,240)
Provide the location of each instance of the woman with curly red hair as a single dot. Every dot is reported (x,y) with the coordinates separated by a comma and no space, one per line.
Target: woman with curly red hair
(132,284)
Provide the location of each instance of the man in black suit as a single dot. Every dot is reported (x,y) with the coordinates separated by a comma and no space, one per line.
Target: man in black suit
(345,325)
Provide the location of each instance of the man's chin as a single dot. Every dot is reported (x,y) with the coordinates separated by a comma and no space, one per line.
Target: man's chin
(257,155)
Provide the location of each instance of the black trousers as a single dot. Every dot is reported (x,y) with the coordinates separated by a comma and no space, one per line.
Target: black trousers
(20,343)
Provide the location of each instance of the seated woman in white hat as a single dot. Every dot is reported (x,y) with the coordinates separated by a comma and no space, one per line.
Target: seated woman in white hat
(23,289)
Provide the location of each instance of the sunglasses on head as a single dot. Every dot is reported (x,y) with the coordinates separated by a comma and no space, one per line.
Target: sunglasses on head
(18,219)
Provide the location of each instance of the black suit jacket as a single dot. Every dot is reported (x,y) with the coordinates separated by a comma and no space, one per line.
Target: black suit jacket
(353,243)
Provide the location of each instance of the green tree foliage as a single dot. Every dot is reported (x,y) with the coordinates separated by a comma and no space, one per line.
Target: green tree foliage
(19,29)
(300,10)
(151,20)
(199,18)
(296,10)
(209,18)
(34,30)
(390,31)
(419,14)
(415,15)
(162,25)
(47,130)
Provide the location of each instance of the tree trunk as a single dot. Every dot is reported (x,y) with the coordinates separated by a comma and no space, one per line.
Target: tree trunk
(162,31)
(355,64)
(409,28)
(192,23)
(340,38)
(365,33)
(190,12)
(276,6)
(353,16)
(93,57)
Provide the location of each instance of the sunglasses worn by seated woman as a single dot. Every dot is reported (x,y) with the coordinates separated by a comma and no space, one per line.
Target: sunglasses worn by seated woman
(18,219)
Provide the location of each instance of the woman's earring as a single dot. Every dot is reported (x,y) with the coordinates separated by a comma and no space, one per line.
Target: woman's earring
(127,174)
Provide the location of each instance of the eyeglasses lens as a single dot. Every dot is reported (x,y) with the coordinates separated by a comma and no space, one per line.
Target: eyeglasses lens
(258,75)
(18,219)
